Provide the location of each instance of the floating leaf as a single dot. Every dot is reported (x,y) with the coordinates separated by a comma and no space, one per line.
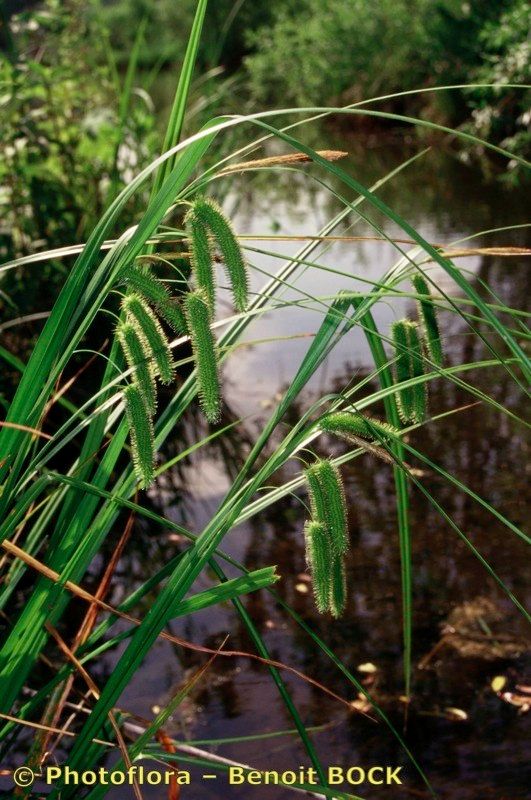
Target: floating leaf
(367,668)
(498,683)
(456,714)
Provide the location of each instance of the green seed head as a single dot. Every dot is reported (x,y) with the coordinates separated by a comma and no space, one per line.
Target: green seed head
(338,587)
(150,333)
(428,316)
(318,557)
(141,435)
(327,499)
(143,281)
(154,292)
(201,255)
(137,360)
(209,214)
(205,353)
(411,400)
(347,424)
(420,390)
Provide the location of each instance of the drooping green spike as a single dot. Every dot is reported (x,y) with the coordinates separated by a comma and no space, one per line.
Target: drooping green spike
(338,587)
(428,315)
(201,255)
(205,354)
(346,423)
(142,280)
(141,435)
(327,498)
(318,557)
(403,368)
(172,313)
(211,215)
(137,360)
(420,390)
(150,333)
(315,494)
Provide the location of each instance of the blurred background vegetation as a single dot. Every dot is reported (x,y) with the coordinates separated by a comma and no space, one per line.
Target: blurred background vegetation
(64,103)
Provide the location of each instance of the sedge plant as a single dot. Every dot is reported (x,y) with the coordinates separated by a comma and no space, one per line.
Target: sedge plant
(61,518)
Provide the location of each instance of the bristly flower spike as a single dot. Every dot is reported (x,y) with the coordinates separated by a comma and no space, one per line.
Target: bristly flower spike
(142,281)
(204,350)
(137,360)
(210,215)
(338,587)
(318,557)
(432,336)
(141,435)
(420,390)
(347,423)
(327,500)
(411,400)
(201,255)
(150,333)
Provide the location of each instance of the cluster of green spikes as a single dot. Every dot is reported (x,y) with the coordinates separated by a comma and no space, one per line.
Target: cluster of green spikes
(326,536)
(326,533)
(416,344)
(147,303)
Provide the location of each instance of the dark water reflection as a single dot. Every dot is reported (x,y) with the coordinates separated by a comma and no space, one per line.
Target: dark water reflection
(482,756)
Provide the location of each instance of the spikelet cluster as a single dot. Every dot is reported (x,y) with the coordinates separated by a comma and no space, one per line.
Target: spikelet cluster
(154,292)
(207,228)
(326,536)
(348,425)
(137,360)
(205,352)
(428,317)
(146,349)
(319,559)
(141,434)
(411,400)
(149,331)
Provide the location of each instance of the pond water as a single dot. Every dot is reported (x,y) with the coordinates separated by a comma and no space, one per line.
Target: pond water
(478,753)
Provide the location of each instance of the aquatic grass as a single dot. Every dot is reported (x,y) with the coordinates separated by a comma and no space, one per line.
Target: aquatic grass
(86,510)
(328,504)
(210,215)
(326,536)
(352,424)
(201,256)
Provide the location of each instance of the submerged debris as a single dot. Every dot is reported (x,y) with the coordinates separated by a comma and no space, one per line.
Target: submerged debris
(476,629)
